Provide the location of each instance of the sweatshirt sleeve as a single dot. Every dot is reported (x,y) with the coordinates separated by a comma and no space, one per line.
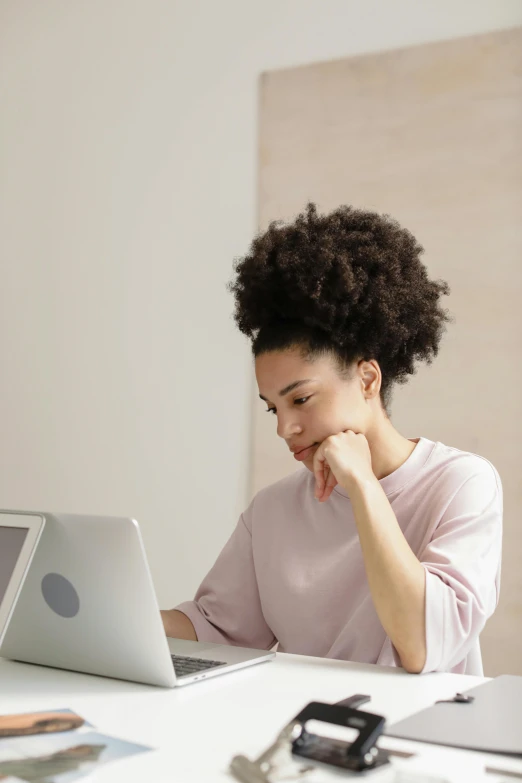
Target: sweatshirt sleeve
(462,565)
(227,607)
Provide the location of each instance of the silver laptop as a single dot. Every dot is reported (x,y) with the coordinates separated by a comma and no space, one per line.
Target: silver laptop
(88,604)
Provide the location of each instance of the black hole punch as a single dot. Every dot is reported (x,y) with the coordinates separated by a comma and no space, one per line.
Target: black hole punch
(360,755)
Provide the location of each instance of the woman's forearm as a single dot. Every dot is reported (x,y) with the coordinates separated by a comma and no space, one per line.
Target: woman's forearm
(177,625)
(395,576)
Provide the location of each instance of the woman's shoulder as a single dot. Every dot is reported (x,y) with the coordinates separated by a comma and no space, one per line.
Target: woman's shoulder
(280,501)
(289,487)
(460,463)
(455,473)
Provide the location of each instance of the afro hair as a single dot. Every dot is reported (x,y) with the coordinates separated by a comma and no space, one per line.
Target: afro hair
(350,282)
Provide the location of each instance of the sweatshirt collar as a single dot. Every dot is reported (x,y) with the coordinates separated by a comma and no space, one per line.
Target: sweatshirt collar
(405,472)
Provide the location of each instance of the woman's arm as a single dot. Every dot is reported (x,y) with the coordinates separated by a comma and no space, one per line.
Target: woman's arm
(396,578)
(177,625)
(227,606)
(433,607)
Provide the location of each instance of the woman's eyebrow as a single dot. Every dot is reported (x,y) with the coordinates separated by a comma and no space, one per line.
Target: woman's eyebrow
(289,388)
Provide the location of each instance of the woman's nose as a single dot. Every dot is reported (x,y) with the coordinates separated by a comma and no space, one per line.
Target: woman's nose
(287,426)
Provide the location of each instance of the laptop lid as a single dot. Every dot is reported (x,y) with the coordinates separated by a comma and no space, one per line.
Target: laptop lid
(19,535)
(88,603)
(492,722)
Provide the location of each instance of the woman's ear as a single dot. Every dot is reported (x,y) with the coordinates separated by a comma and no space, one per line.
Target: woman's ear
(371,378)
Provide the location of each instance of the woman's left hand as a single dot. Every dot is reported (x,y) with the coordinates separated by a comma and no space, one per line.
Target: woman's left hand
(343,459)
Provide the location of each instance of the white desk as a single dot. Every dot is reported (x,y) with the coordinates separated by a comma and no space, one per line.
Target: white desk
(196,730)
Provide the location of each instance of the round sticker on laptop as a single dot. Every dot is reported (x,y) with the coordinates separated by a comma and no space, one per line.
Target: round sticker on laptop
(60,595)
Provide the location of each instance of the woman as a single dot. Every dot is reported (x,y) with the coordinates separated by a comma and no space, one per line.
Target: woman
(385,550)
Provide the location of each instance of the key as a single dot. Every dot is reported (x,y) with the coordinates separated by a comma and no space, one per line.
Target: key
(271,761)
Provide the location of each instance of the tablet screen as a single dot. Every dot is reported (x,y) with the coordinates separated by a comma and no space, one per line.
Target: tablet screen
(11,543)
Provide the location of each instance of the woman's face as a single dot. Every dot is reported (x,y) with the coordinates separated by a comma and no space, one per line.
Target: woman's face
(310,400)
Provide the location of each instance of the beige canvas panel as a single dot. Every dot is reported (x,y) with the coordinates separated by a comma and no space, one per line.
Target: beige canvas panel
(432,135)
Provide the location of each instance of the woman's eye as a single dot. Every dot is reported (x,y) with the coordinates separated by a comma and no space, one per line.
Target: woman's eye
(300,401)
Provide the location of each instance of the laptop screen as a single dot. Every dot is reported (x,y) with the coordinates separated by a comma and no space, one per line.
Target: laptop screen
(11,543)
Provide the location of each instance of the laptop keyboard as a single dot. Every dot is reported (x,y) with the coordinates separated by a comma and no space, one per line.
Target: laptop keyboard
(184,665)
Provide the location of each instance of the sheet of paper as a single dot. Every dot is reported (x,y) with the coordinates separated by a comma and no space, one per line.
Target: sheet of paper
(62,757)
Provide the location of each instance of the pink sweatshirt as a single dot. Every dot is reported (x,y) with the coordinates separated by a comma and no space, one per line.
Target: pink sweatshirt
(292,571)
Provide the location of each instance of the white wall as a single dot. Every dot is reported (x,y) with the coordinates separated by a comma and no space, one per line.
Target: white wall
(127,186)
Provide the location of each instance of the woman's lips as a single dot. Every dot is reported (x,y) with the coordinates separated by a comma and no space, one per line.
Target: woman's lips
(300,456)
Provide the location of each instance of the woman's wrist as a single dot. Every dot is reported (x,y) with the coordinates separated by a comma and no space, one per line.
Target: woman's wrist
(361,488)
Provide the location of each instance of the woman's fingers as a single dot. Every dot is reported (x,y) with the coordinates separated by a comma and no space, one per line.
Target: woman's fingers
(319,466)
(325,480)
(331,482)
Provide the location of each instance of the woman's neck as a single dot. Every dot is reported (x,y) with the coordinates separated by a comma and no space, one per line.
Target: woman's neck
(389,449)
